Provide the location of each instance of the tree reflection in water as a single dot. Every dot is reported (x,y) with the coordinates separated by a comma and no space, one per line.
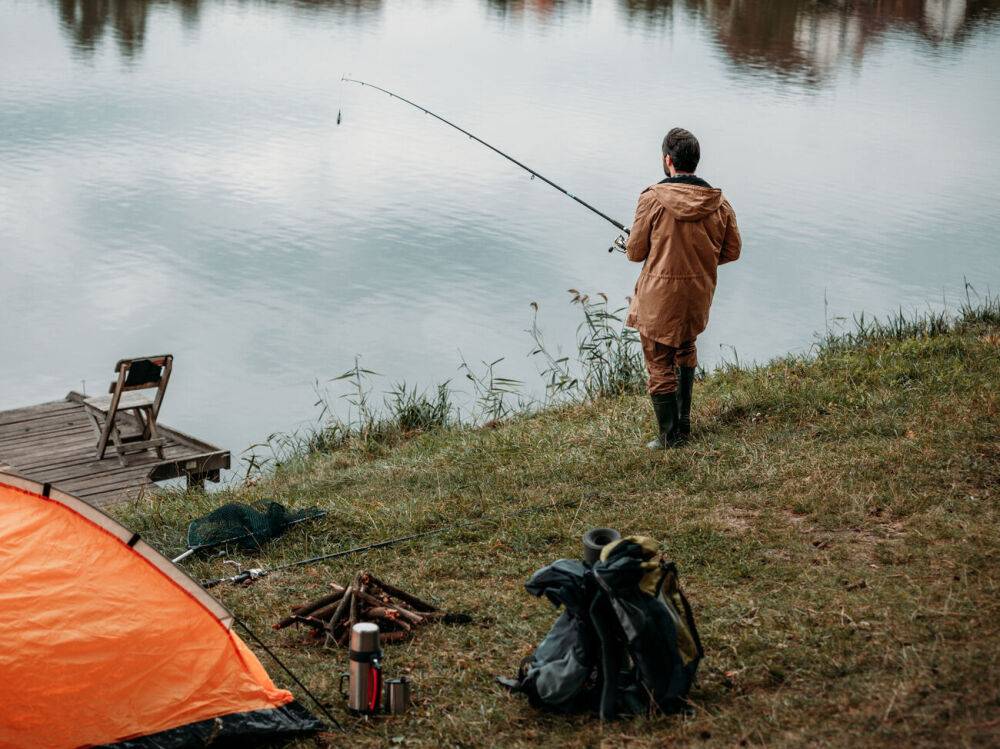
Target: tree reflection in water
(87,22)
(807,39)
(543,11)
(804,39)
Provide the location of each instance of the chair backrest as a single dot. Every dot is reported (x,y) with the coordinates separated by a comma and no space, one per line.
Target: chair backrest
(142,372)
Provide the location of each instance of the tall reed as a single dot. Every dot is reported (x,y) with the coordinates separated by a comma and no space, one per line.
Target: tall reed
(608,362)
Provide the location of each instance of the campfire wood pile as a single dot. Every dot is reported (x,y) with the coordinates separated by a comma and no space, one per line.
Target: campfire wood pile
(366,599)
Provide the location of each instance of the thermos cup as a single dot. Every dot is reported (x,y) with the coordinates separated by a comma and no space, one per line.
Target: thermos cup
(397,696)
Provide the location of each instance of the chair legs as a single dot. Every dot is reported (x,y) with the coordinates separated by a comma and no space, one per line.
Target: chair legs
(149,430)
(116,437)
(108,431)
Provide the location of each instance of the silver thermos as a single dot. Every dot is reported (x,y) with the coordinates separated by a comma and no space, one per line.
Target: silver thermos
(364,685)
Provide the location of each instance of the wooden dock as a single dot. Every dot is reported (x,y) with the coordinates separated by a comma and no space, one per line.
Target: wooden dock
(55,443)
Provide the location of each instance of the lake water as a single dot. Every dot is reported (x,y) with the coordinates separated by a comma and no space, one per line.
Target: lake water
(173,179)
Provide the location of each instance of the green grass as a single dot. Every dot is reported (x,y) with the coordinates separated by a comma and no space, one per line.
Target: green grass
(834,520)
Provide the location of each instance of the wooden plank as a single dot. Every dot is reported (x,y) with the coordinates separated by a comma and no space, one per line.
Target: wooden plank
(110,496)
(34,459)
(64,454)
(124,477)
(83,489)
(76,449)
(68,410)
(76,455)
(61,424)
(54,430)
(29,413)
(127,448)
(57,442)
(107,498)
(204,463)
(64,460)
(94,486)
(128,425)
(198,445)
(44,423)
(89,484)
(127,401)
(171,453)
(33,435)
(104,468)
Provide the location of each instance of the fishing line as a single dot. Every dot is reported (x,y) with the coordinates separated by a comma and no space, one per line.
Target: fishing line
(619,243)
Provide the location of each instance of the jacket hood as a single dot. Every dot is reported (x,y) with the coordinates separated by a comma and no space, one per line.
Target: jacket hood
(687,202)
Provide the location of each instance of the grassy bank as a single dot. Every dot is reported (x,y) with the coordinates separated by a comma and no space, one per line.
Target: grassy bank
(834,520)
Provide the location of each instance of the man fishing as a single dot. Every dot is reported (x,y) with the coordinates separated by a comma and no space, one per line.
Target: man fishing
(684,230)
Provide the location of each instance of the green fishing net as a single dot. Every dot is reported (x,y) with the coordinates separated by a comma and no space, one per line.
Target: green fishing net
(248,526)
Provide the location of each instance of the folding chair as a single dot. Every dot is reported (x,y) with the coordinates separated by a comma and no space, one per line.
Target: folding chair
(106,412)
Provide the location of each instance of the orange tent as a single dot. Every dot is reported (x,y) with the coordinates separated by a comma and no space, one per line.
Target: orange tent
(104,641)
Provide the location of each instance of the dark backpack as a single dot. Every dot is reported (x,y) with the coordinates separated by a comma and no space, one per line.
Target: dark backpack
(626,642)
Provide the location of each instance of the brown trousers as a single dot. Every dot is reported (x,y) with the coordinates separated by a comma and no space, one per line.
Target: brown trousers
(661,361)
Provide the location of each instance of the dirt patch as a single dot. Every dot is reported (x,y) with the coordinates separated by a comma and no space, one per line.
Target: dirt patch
(734,520)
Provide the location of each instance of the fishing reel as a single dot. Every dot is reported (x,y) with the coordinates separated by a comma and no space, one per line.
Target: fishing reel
(619,244)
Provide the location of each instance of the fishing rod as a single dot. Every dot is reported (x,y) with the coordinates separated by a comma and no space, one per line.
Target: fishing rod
(254,574)
(259,572)
(619,243)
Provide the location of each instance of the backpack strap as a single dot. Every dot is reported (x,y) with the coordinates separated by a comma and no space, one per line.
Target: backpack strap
(604,622)
(670,569)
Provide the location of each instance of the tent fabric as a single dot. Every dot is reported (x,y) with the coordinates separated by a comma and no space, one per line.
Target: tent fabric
(105,641)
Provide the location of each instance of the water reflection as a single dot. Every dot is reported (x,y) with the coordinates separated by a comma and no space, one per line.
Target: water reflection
(807,40)
(87,22)
(801,39)
(542,10)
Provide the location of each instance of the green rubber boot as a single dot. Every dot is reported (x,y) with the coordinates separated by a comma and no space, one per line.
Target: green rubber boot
(665,408)
(684,390)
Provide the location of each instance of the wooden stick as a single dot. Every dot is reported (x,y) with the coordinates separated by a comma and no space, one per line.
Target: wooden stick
(312,608)
(342,608)
(355,603)
(389,615)
(402,595)
(309,621)
(307,608)
(325,612)
(413,617)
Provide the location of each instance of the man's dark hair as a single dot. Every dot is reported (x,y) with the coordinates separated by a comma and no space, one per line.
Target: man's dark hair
(683,148)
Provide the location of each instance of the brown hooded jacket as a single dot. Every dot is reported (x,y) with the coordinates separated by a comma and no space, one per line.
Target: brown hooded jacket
(683,232)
